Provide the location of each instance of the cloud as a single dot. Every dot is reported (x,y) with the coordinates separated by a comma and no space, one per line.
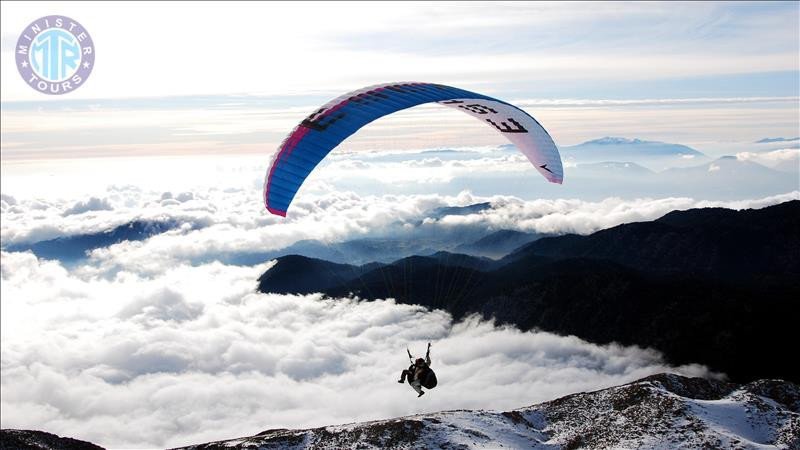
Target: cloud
(787,160)
(582,217)
(93,204)
(222,223)
(194,354)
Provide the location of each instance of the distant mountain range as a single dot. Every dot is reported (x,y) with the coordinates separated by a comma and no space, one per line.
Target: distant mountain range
(653,154)
(723,178)
(712,286)
(356,252)
(469,240)
(777,139)
(69,249)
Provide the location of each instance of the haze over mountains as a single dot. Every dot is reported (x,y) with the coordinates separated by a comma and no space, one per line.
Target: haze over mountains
(599,168)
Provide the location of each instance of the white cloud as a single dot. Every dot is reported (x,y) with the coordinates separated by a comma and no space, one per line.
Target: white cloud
(582,217)
(783,159)
(218,223)
(193,354)
(93,204)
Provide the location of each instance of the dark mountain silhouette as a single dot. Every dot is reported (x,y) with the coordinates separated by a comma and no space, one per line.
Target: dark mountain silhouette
(463,260)
(711,286)
(660,411)
(73,248)
(719,242)
(295,274)
(301,275)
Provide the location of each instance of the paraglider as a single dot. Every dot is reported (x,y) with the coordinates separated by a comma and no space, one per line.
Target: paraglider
(419,373)
(312,139)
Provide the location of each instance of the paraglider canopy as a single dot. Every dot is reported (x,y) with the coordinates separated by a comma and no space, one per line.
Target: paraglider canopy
(328,126)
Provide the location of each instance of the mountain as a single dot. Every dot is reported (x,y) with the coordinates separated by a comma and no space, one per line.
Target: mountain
(660,411)
(497,244)
(719,242)
(711,286)
(441,273)
(73,248)
(385,249)
(355,251)
(777,139)
(39,440)
(725,178)
(462,260)
(301,275)
(614,168)
(619,145)
(722,177)
(650,154)
(444,211)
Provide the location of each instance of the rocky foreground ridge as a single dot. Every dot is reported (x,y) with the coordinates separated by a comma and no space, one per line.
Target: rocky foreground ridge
(664,411)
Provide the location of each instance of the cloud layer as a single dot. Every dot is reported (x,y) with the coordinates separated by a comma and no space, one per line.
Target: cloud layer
(335,204)
(193,354)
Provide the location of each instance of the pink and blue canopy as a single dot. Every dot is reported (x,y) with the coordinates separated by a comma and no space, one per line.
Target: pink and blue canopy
(328,126)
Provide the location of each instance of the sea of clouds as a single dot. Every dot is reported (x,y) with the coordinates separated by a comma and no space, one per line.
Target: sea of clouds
(160,343)
(193,354)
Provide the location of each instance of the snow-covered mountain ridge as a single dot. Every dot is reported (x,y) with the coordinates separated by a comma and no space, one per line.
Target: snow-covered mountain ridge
(664,411)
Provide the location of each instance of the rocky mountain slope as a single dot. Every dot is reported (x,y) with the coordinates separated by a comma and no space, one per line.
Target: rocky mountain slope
(39,440)
(663,411)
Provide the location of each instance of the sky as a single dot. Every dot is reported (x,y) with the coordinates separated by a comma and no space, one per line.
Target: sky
(235,78)
(180,118)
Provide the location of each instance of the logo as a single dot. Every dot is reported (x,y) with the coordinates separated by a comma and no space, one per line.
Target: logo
(55,55)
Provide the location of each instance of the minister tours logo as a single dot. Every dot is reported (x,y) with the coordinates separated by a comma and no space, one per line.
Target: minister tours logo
(55,55)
